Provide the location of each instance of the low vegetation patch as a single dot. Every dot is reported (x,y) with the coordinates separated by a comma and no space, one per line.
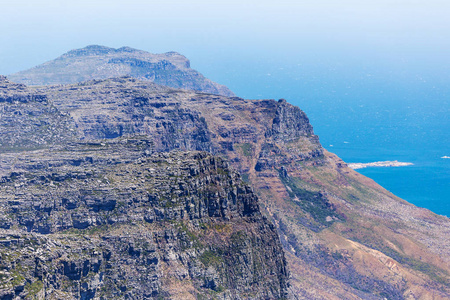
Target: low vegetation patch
(211,258)
(315,203)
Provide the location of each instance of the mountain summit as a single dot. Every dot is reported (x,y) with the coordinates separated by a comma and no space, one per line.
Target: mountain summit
(99,62)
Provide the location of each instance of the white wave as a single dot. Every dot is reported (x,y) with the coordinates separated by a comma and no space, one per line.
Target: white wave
(394,163)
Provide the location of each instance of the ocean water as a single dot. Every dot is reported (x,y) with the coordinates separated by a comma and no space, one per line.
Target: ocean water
(364,113)
(415,131)
(418,135)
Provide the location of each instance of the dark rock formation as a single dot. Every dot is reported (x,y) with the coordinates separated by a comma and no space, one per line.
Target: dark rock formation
(289,123)
(112,221)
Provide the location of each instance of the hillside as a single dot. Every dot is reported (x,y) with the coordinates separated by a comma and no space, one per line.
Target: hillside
(99,62)
(344,236)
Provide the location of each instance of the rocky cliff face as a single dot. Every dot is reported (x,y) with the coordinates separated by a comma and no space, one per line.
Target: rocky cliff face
(344,236)
(336,225)
(112,220)
(100,62)
(179,119)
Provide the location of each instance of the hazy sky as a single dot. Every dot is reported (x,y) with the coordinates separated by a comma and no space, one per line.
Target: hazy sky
(209,32)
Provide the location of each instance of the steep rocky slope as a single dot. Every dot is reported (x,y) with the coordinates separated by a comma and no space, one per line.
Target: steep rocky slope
(113,221)
(100,62)
(344,236)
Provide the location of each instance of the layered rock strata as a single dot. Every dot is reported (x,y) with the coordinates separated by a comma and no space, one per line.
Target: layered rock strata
(29,121)
(112,220)
(344,236)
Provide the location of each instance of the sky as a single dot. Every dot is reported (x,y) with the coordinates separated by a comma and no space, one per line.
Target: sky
(352,52)
(214,34)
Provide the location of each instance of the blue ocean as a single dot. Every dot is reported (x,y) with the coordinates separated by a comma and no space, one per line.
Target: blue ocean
(365,114)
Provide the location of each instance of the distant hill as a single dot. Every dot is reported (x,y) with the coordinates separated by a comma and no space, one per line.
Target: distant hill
(99,62)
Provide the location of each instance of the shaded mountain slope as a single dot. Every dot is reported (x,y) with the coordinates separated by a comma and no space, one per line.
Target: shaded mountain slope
(100,62)
(113,221)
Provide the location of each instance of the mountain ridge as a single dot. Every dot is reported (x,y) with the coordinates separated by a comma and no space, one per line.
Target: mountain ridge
(100,62)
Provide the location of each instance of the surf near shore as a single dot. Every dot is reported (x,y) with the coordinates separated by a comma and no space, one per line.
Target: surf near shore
(394,163)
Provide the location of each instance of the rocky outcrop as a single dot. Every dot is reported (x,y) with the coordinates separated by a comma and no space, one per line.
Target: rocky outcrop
(113,220)
(289,123)
(179,119)
(28,121)
(11,92)
(99,62)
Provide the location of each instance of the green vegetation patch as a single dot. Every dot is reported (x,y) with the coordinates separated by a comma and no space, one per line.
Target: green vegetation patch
(222,171)
(34,288)
(17,276)
(315,203)
(238,241)
(192,236)
(247,149)
(245,177)
(211,258)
